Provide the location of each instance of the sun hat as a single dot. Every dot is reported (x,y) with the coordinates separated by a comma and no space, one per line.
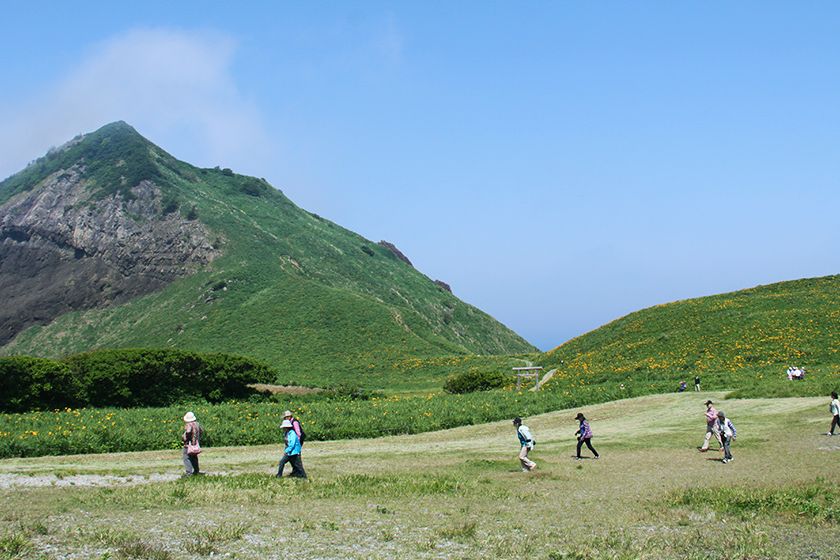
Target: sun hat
(286,424)
(189,417)
(287,414)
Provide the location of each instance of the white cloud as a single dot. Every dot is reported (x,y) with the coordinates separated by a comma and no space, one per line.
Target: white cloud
(175,87)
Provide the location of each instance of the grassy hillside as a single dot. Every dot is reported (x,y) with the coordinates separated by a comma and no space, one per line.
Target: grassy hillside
(650,496)
(316,301)
(726,338)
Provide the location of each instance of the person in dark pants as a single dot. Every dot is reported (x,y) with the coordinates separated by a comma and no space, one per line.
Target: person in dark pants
(834,408)
(191,440)
(727,434)
(292,452)
(697,383)
(584,436)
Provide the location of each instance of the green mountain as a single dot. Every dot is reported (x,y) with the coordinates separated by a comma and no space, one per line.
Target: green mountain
(758,332)
(108,241)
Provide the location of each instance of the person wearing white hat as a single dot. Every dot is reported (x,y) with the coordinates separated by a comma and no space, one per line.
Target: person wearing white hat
(191,440)
(291,454)
(295,425)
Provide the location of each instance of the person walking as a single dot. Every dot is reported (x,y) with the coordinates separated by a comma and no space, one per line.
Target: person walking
(291,454)
(191,440)
(727,433)
(295,425)
(526,442)
(584,434)
(834,408)
(697,383)
(711,427)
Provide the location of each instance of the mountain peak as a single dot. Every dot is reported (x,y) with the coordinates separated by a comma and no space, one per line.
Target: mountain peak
(114,157)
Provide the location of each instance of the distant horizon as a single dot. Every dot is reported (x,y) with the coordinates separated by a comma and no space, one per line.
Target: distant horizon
(560,166)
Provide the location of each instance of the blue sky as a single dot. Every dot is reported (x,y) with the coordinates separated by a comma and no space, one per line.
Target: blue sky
(560,164)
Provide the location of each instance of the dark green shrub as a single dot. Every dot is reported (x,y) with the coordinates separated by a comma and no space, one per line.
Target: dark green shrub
(471,381)
(127,378)
(28,383)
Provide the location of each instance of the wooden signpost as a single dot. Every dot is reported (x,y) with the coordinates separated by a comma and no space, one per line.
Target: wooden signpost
(523,374)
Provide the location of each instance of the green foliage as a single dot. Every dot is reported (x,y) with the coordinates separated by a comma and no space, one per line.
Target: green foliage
(31,383)
(819,501)
(477,380)
(744,340)
(14,545)
(100,430)
(131,377)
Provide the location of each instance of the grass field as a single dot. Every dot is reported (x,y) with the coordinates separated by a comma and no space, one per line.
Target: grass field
(457,493)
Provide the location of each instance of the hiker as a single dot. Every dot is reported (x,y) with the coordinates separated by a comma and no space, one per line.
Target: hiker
(295,426)
(711,427)
(527,443)
(727,434)
(291,454)
(834,408)
(697,383)
(584,434)
(191,440)
(682,387)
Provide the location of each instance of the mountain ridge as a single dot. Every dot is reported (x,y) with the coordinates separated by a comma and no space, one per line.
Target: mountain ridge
(339,300)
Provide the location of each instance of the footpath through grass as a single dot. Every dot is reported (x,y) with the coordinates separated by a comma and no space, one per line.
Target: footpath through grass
(460,494)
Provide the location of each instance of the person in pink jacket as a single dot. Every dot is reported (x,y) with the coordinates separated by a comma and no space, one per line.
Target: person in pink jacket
(711,427)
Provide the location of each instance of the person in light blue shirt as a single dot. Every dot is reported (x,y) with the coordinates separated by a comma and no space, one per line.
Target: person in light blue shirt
(526,443)
(291,454)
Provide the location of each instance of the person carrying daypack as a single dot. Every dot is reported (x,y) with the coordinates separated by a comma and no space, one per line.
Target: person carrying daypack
(727,434)
(295,425)
(291,453)
(526,442)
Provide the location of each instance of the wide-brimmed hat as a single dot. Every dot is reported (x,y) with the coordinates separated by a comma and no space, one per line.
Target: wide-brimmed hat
(708,403)
(286,424)
(287,414)
(189,417)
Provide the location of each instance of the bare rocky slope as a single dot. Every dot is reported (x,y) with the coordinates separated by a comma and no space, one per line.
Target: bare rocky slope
(61,250)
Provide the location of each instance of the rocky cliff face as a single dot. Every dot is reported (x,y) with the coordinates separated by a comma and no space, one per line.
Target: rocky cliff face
(62,249)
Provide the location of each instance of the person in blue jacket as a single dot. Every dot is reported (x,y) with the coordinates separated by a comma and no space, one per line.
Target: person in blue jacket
(292,452)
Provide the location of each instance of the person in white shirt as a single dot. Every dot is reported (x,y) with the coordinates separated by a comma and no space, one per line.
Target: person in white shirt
(834,408)
(526,441)
(727,434)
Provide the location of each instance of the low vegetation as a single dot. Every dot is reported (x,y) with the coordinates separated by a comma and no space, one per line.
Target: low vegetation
(471,381)
(818,501)
(757,332)
(126,378)
(459,494)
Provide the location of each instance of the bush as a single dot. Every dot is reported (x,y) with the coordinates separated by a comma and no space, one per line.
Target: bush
(472,381)
(126,378)
(33,383)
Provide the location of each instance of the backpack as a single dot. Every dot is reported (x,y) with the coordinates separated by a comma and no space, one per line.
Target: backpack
(302,433)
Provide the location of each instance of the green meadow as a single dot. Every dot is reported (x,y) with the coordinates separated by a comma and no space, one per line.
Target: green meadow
(456,493)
